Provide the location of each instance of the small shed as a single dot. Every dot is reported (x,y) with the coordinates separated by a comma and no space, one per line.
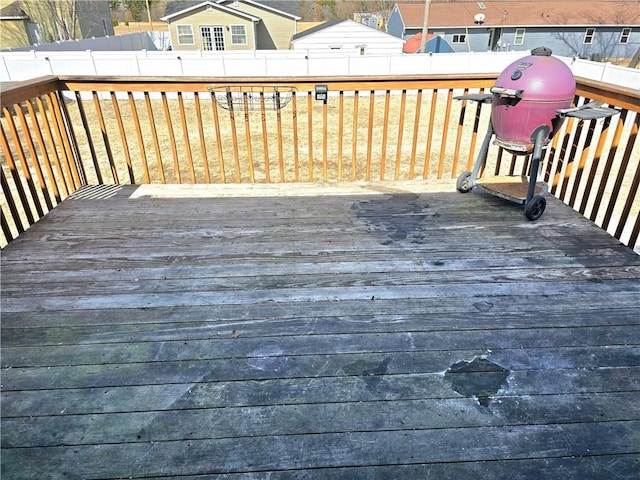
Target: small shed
(347,37)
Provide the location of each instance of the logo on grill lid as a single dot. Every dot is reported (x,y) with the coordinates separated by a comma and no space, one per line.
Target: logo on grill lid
(519,68)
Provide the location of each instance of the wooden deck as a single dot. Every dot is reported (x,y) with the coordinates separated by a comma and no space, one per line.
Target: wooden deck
(343,332)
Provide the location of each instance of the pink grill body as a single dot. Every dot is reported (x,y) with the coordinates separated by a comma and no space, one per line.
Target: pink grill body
(545,84)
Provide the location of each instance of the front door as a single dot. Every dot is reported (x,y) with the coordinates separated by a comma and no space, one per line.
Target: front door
(212,37)
(495,37)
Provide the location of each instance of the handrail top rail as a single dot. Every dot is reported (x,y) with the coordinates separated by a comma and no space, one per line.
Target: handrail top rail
(306,84)
(624,97)
(278,79)
(15,92)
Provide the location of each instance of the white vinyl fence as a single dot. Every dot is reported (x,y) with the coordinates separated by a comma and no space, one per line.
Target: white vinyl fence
(23,65)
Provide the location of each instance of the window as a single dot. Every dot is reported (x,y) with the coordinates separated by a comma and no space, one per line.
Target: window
(624,37)
(238,35)
(519,40)
(185,35)
(588,36)
(459,38)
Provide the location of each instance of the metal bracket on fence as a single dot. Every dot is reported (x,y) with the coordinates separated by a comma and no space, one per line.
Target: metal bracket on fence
(253,98)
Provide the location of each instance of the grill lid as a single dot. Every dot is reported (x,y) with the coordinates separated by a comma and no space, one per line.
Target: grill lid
(539,76)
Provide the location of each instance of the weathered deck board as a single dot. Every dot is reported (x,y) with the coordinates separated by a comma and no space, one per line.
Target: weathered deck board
(311,332)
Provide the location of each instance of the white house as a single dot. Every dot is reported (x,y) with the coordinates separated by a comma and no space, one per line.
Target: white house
(346,37)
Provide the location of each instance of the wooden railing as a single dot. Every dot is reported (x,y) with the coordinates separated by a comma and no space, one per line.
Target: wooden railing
(61,133)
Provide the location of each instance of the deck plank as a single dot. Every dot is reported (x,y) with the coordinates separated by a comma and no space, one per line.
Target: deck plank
(289,452)
(337,417)
(310,331)
(294,391)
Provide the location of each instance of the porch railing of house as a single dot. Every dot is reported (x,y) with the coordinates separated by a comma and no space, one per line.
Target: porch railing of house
(62,133)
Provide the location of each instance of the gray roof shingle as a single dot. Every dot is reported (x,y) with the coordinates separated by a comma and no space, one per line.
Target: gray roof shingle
(286,6)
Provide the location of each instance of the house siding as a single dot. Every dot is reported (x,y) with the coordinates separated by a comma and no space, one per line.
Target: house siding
(89,19)
(94,19)
(14,33)
(567,41)
(280,28)
(211,18)
(565,38)
(606,42)
(395,25)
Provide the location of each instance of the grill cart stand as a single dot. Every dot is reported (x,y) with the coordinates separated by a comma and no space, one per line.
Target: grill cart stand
(517,189)
(529,103)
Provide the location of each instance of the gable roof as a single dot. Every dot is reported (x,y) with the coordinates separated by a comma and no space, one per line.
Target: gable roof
(317,28)
(277,7)
(282,7)
(522,14)
(13,12)
(213,5)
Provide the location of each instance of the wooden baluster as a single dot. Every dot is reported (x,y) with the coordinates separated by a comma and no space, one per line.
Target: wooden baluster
(416,132)
(26,172)
(136,122)
(154,136)
(87,131)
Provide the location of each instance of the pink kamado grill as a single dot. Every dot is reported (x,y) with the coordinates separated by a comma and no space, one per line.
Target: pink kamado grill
(529,103)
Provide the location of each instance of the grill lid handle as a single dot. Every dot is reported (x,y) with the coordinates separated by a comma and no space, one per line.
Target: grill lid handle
(507,92)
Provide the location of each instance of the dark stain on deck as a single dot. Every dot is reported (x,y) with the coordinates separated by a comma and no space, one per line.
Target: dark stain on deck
(396,217)
(479,379)
(371,373)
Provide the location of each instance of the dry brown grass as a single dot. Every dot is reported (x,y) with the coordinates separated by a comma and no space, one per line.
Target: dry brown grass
(289,146)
